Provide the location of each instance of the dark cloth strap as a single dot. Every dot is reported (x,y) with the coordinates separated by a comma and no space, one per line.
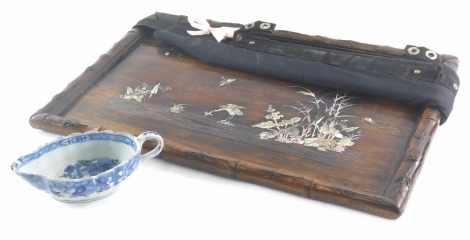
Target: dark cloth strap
(414,80)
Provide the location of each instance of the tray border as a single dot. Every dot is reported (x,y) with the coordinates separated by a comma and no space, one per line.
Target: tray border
(390,205)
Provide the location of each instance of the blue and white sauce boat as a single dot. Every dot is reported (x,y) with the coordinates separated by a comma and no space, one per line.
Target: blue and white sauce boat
(85,166)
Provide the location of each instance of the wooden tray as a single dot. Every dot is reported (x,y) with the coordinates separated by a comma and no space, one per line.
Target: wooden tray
(253,128)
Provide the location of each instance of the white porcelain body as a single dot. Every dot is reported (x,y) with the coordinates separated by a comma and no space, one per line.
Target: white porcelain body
(85,166)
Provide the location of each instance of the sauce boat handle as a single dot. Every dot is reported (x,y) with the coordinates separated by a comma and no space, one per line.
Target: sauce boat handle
(152,136)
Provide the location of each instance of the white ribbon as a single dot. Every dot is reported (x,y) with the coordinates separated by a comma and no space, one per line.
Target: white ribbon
(205,29)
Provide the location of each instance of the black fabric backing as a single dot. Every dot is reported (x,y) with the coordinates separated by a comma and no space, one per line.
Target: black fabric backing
(382,76)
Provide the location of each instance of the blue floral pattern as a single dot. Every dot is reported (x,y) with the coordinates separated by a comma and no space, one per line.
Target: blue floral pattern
(99,174)
(87,168)
(71,140)
(87,186)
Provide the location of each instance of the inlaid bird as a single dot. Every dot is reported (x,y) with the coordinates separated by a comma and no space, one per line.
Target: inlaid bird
(232,110)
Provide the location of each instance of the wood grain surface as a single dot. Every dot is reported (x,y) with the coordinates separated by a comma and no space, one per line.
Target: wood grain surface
(196,108)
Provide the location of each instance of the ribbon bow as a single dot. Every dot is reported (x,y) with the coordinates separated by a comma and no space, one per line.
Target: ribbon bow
(205,29)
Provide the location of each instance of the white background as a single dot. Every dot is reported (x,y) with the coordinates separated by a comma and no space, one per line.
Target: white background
(46,44)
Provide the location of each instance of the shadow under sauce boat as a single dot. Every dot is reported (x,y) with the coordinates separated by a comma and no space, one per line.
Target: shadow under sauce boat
(85,166)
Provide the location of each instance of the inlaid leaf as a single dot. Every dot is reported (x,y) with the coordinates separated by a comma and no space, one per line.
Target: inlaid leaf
(307,93)
(267,135)
(325,129)
(328,144)
(290,121)
(319,120)
(284,123)
(295,120)
(339,148)
(154,90)
(346,142)
(350,129)
(276,115)
(334,132)
(342,125)
(139,98)
(292,131)
(129,91)
(311,142)
(265,125)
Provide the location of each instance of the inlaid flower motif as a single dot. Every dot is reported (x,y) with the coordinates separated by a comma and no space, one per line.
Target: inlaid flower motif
(321,125)
(141,92)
